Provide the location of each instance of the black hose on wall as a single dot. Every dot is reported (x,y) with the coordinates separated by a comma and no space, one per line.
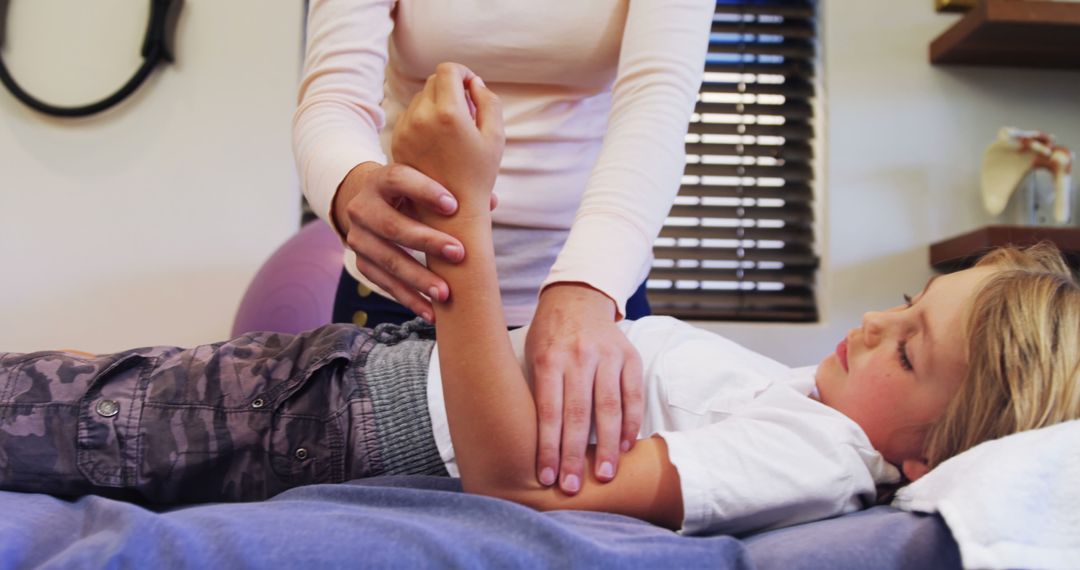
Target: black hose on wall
(155,50)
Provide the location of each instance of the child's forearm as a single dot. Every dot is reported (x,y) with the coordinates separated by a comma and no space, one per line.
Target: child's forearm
(490,407)
(491,410)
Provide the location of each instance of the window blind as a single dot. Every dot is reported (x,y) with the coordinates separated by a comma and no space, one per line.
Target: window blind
(738,243)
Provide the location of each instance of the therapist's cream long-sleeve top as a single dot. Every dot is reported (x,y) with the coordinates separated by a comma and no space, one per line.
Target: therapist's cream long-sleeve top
(596,95)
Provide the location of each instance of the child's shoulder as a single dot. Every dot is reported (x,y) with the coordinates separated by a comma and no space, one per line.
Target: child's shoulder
(660,324)
(677,340)
(680,332)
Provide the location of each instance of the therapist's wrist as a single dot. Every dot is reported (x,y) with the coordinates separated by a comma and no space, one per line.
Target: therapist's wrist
(584,297)
(348,189)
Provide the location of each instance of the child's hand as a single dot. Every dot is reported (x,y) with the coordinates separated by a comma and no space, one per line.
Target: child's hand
(439,135)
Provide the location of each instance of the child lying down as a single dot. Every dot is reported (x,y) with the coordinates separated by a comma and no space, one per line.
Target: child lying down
(731,441)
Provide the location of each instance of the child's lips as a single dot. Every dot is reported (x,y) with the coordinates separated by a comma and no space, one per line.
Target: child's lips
(841,354)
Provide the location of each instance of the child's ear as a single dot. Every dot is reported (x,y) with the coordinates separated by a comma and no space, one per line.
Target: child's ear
(914,468)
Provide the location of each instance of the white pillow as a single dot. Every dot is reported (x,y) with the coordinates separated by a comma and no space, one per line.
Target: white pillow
(1013,502)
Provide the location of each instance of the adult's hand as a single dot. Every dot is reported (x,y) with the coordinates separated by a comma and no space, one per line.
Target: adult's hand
(375,210)
(581,361)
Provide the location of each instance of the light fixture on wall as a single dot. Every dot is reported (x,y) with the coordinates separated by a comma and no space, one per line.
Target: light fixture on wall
(155,50)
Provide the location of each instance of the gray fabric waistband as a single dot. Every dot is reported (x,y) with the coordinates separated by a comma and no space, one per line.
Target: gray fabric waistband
(396,371)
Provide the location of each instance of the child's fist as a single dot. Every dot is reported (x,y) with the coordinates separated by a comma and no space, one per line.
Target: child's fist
(440,135)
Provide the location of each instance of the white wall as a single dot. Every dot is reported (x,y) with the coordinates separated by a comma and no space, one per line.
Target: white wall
(145,224)
(903,146)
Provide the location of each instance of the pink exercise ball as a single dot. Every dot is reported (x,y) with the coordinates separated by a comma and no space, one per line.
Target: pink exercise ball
(294,289)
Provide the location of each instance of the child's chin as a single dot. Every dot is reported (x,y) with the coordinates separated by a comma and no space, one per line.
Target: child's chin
(828,372)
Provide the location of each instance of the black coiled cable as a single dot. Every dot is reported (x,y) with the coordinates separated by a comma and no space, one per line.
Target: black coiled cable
(155,50)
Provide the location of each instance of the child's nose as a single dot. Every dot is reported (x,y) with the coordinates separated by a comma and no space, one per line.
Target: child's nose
(873,323)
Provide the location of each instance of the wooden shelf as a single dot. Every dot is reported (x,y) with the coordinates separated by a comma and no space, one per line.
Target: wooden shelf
(961,251)
(1020,33)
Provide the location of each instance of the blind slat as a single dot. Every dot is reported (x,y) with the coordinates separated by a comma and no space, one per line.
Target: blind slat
(801,259)
(747,298)
(791,151)
(789,48)
(789,109)
(790,68)
(803,10)
(789,28)
(793,90)
(794,233)
(791,130)
(791,279)
(730,312)
(791,171)
(792,192)
(793,212)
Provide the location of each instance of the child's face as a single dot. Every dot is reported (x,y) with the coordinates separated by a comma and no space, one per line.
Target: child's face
(896,373)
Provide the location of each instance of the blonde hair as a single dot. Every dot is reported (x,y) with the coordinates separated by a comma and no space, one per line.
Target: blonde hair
(1023,353)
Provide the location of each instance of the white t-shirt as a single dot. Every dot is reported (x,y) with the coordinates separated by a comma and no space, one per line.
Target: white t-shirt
(753,450)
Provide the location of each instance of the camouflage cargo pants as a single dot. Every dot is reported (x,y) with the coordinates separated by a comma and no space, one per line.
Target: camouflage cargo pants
(235,421)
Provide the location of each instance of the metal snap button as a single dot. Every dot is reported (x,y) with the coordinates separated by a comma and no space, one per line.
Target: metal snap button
(258,403)
(107,408)
(301,454)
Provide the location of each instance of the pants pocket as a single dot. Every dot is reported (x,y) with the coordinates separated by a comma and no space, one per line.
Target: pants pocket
(254,418)
(204,453)
(67,422)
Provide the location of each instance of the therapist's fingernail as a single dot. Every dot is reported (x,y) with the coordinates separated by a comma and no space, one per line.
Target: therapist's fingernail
(571,484)
(447,203)
(625,445)
(433,293)
(452,252)
(606,471)
(547,476)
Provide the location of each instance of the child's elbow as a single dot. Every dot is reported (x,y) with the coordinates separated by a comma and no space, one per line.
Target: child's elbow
(523,491)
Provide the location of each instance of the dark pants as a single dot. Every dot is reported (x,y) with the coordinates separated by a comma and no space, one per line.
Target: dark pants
(355,303)
(235,421)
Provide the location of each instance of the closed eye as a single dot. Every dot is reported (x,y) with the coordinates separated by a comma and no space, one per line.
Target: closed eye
(901,350)
(907,300)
